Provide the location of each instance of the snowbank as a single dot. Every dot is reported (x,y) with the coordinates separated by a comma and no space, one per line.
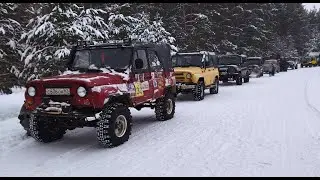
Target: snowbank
(10,104)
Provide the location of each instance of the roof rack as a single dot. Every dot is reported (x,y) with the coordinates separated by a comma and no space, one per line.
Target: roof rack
(126,42)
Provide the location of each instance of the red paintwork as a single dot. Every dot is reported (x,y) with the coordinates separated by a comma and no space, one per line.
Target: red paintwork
(96,99)
(73,81)
(89,79)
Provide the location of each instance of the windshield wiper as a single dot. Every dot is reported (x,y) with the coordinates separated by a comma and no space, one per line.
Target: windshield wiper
(120,70)
(93,70)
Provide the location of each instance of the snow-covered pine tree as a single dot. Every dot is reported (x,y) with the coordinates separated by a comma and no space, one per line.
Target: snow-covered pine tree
(53,31)
(125,22)
(288,22)
(252,34)
(146,30)
(313,45)
(10,30)
(227,33)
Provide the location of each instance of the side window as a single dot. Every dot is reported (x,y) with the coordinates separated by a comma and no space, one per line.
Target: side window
(154,61)
(210,62)
(215,61)
(140,54)
(207,61)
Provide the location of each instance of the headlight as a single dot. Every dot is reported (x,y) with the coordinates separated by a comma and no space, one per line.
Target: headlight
(31,91)
(188,76)
(81,91)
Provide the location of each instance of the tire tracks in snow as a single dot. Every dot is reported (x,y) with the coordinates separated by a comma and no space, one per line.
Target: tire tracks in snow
(311,107)
(72,153)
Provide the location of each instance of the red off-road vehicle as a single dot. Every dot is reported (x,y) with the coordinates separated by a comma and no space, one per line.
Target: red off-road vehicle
(103,81)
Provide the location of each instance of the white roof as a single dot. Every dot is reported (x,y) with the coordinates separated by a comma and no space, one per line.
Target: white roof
(190,53)
(254,58)
(271,60)
(314,53)
(199,52)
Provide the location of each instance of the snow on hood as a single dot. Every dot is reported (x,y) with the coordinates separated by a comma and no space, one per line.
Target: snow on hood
(120,88)
(108,70)
(91,79)
(106,77)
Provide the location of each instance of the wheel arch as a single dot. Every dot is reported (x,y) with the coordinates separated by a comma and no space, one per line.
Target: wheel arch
(119,98)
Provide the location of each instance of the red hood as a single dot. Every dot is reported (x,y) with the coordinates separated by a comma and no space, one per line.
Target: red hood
(89,79)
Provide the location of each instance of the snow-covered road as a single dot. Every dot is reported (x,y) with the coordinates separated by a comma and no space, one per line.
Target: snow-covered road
(268,127)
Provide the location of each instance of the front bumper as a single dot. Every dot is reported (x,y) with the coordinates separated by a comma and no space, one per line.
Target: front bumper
(184,87)
(227,76)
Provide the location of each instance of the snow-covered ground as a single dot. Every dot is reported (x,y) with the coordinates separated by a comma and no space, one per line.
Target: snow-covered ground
(268,127)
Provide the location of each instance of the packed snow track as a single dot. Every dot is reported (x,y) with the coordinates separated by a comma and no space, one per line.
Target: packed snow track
(267,127)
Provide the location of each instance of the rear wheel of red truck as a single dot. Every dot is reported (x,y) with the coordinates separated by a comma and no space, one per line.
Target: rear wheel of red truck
(165,107)
(44,130)
(114,126)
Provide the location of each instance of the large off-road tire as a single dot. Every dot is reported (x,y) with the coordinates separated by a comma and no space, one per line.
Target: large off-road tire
(215,89)
(25,124)
(114,126)
(225,81)
(198,92)
(246,79)
(165,107)
(239,80)
(44,130)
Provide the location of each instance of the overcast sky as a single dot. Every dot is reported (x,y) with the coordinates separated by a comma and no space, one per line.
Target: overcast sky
(309,6)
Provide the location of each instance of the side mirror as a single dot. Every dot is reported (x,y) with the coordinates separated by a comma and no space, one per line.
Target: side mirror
(138,63)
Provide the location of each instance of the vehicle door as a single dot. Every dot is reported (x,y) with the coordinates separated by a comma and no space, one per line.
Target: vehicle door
(215,63)
(205,70)
(242,66)
(157,73)
(210,69)
(142,83)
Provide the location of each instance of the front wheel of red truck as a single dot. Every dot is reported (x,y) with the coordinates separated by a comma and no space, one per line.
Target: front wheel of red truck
(44,130)
(114,126)
(165,107)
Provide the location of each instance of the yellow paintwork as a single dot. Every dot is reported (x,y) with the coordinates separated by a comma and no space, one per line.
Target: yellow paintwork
(314,61)
(209,74)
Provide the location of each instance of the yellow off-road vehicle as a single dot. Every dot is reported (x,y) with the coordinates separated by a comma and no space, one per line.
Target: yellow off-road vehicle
(309,62)
(195,72)
(314,61)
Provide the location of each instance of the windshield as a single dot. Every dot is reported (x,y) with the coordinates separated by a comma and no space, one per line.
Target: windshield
(252,61)
(227,60)
(187,60)
(115,58)
(305,59)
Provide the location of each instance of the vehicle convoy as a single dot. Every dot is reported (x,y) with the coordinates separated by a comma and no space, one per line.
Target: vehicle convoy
(267,66)
(306,62)
(309,62)
(195,72)
(233,68)
(283,65)
(103,81)
(293,62)
(255,66)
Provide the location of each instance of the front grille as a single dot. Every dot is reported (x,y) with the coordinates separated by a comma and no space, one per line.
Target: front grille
(178,74)
(66,99)
(180,78)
